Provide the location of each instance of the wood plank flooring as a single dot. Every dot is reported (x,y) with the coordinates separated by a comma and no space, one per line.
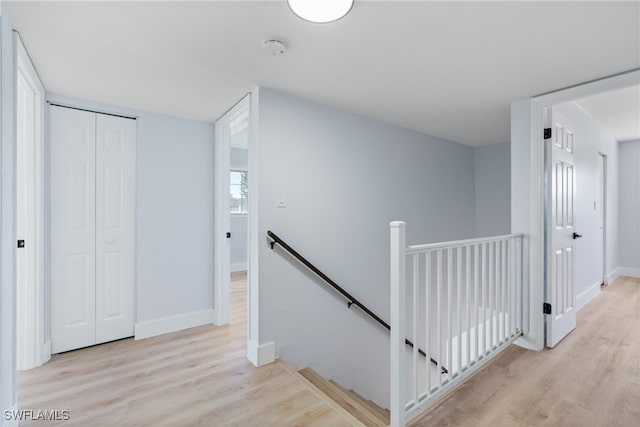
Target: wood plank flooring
(591,378)
(195,377)
(201,377)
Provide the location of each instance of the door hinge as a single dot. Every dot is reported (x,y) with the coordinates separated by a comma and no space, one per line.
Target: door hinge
(21,243)
(547,133)
(546,308)
(228,235)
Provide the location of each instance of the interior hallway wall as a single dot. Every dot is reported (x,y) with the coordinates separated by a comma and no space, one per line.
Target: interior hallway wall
(629,178)
(492,169)
(344,179)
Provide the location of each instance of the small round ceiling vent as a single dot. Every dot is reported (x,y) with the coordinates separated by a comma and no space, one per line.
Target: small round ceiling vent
(274,47)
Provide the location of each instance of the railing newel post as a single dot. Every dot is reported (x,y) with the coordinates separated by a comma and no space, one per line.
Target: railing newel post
(398,322)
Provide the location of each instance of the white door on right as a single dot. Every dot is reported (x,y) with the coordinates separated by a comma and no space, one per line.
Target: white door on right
(561,228)
(115,221)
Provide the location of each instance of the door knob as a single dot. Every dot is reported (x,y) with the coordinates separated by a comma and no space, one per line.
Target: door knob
(576,235)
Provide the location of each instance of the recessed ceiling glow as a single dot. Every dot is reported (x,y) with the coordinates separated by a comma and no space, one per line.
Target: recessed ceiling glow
(320,11)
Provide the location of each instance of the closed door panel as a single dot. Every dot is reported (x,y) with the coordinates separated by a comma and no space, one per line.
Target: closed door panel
(561,230)
(115,219)
(72,229)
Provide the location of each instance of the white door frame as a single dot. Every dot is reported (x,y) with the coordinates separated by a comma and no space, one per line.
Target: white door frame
(222,267)
(258,354)
(603,158)
(30,319)
(527,188)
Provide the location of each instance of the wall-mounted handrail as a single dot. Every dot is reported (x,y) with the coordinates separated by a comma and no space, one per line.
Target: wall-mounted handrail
(351,300)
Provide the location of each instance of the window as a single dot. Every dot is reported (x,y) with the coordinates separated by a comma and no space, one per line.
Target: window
(238,192)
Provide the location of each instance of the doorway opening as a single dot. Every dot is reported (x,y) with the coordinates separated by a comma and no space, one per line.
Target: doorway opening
(232,214)
(33,345)
(601,208)
(239,216)
(528,195)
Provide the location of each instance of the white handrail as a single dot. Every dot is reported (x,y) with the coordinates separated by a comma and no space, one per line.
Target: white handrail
(475,241)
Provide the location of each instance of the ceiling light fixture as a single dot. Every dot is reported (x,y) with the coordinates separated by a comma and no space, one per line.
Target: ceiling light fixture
(320,11)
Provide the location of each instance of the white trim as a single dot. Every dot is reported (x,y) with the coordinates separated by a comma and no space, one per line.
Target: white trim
(261,354)
(165,325)
(587,295)
(222,218)
(254,240)
(46,352)
(623,271)
(611,277)
(8,389)
(30,320)
(527,214)
(12,422)
(238,266)
(526,120)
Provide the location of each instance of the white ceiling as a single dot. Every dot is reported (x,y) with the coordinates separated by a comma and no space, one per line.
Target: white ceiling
(618,112)
(445,68)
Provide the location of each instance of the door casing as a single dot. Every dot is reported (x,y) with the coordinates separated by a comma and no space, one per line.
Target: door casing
(527,183)
(222,225)
(34,349)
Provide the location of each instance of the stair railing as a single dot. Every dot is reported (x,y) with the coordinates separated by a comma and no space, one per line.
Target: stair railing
(351,300)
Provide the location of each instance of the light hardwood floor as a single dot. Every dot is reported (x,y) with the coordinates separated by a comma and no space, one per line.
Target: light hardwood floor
(591,378)
(201,377)
(195,377)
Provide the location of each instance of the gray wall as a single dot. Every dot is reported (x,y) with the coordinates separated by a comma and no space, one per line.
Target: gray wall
(629,178)
(492,168)
(239,239)
(7,236)
(345,179)
(590,140)
(239,158)
(174,212)
(239,222)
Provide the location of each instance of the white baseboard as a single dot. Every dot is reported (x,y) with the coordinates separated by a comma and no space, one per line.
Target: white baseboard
(611,277)
(622,271)
(7,413)
(584,297)
(239,266)
(628,271)
(46,353)
(165,325)
(261,354)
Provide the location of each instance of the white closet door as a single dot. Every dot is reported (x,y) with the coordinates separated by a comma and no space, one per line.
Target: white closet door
(115,219)
(73,169)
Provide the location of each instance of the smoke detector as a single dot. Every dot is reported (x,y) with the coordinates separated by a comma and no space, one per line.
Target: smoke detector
(274,47)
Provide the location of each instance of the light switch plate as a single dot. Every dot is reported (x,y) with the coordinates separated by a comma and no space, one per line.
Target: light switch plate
(281,199)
